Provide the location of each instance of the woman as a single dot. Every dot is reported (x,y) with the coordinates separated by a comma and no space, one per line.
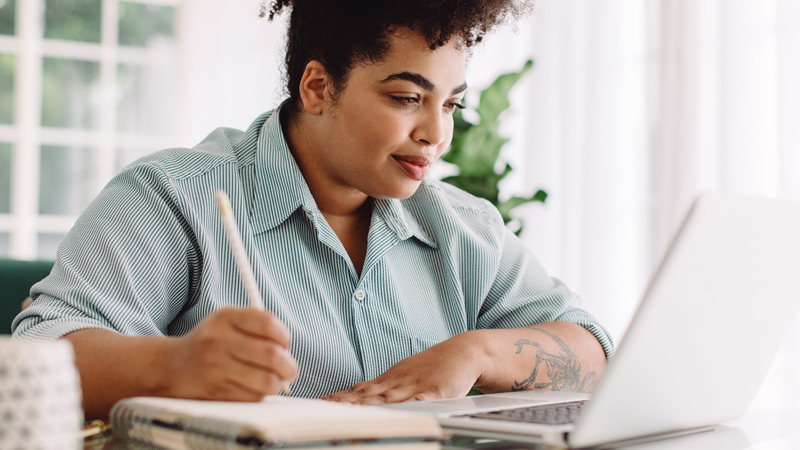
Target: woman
(379,285)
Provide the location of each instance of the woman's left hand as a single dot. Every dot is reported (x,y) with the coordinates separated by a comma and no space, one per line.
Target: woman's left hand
(448,369)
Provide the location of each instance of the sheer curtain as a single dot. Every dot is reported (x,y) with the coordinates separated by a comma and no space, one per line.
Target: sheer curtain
(726,109)
(632,109)
(231,61)
(581,133)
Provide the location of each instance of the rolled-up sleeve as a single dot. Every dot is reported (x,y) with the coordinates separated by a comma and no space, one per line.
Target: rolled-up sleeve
(125,265)
(523,294)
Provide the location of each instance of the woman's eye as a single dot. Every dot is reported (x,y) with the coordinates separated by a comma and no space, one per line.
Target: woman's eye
(450,107)
(453,106)
(405,100)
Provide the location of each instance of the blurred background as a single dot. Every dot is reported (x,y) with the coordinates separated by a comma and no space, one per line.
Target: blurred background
(632,108)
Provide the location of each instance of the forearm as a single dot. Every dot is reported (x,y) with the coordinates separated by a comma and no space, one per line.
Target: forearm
(234,354)
(552,356)
(114,366)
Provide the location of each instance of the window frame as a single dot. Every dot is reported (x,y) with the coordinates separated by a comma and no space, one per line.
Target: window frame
(24,224)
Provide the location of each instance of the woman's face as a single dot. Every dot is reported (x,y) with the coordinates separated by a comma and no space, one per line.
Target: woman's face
(394,118)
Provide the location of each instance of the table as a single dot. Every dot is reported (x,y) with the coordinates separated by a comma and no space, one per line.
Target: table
(758,430)
(771,423)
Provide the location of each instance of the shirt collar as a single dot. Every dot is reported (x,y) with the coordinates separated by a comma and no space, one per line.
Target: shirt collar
(402,219)
(281,189)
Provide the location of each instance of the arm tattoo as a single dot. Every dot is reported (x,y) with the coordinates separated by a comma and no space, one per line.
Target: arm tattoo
(563,370)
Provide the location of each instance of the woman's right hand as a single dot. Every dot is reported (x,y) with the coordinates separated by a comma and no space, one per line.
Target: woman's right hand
(234,354)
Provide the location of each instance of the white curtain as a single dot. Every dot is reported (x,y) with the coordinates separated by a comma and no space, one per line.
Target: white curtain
(726,116)
(231,63)
(581,133)
(632,109)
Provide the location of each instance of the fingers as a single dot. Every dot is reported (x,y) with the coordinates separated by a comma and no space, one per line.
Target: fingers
(254,384)
(262,350)
(236,381)
(235,354)
(379,393)
(264,343)
(263,355)
(257,323)
(241,390)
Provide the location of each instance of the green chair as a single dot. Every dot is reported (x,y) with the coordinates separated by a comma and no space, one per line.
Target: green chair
(16,279)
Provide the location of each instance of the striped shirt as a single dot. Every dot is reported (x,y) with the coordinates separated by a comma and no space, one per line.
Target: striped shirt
(150,257)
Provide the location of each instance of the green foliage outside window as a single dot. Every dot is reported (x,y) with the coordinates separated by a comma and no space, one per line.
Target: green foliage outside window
(74,20)
(69,93)
(7,66)
(8,12)
(5,178)
(139,24)
(475,150)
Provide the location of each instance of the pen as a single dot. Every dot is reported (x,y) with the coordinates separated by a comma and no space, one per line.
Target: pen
(240,257)
(94,428)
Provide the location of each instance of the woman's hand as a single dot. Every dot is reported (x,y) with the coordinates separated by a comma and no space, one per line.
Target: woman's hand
(448,369)
(549,355)
(235,354)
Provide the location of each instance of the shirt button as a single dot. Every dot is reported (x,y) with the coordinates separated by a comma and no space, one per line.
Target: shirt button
(360,295)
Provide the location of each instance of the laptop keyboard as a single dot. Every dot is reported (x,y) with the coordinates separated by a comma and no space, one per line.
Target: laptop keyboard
(560,414)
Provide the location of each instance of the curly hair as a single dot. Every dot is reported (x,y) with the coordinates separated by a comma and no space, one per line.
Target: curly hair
(344,33)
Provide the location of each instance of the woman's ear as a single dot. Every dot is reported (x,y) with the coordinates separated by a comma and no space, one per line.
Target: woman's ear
(313,87)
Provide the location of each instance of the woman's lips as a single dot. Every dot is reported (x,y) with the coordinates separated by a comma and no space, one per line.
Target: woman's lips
(415,166)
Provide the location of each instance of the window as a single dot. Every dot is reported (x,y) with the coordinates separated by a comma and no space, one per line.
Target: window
(86,86)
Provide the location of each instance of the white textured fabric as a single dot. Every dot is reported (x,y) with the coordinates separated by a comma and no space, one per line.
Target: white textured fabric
(40,396)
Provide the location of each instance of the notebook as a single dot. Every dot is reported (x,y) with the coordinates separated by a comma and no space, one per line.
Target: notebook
(698,346)
(275,422)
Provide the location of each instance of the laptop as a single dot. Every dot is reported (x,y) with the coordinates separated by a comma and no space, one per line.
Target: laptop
(696,350)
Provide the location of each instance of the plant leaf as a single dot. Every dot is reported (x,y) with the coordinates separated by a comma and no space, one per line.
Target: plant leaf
(475,150)
(507,206)
(460,124)
(494,99)
(482,186)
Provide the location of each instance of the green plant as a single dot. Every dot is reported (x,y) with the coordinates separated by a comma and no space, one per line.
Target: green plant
(476,148)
